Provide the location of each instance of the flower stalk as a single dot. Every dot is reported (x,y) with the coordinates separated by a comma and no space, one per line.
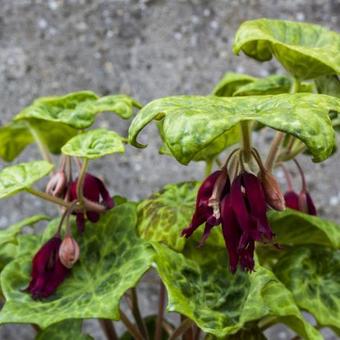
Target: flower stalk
(246,140)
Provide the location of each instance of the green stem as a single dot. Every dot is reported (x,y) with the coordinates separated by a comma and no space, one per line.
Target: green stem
(81,178)
(208,166)
(48,197)
(181,329)
(108,328)
(246,140)
(274,149)
(137,314)
(161,307)
(41,145)
(132,329)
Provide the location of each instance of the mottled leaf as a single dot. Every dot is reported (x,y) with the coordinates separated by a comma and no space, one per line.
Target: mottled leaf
(17,135)
(192,123)
(164,215)
(230,83)
(9,235)
(94,144)
(312,275)
(78,109)
(292,227)
(20,177)
(305,50)
(64,330)
(201,287)
(275,84)
(53,134)
(212,150)
(112,260)
(14,138)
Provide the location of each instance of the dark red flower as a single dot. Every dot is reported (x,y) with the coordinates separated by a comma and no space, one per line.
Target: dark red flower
(302,202)
(47,270)
(242,215)
(94,190)
(205,211)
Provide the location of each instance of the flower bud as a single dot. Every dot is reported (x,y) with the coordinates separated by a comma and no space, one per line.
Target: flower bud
(69,252)
(57,184)
(272,191)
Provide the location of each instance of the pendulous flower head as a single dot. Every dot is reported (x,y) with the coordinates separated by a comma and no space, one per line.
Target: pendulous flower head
(94,190)
(47,270)
(240,208)
(303,201)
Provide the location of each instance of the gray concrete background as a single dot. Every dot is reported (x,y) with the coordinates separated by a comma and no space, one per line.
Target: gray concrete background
(147,49)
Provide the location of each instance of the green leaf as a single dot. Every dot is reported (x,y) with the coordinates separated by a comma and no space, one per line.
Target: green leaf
(14,138)
(94,144)
(329,85)
(201,287)
(64,330)
(230,83)
(312,275)
(164,215)
(112,260)
(54,135)
(9,235)
(211,151)
(78,109)
(292,227)
(17,135)
(192,123)
(305,50)
(20,177)
(275,84)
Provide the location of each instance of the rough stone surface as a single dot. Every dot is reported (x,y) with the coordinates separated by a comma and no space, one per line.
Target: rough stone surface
(147,49)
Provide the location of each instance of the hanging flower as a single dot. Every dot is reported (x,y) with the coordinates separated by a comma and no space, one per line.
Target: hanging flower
(303,201)
(47,270)
(240,208)
(94,190)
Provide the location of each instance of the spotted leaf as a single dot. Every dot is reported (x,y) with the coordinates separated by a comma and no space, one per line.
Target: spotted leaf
(94,144)
(312,275)
(20,177)
(305,50)
(112,260)
(201,287)
(192,123)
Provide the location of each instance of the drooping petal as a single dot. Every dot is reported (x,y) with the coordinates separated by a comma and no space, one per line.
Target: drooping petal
(241,209)
(292,200)
(80,221)
(202,212)
(206,233)
(247,257)
(231,232)
(107,199)
(306,203)
(58,275)
(93,216)
(257,203)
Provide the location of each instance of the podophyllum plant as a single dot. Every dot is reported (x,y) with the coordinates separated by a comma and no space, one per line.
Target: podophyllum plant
(234,254)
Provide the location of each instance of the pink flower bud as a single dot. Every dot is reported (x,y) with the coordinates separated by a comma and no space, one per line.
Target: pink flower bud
(69,252)
(272,191)
(57,184)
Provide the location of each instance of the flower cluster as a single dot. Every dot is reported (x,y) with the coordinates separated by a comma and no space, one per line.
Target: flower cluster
(240,207)
(53,261)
